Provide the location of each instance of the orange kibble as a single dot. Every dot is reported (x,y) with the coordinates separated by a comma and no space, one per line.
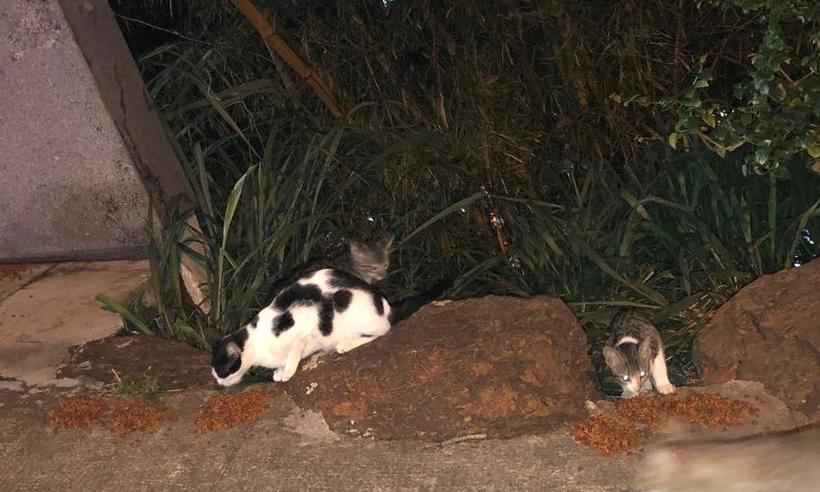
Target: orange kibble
(226,411)
(622,429)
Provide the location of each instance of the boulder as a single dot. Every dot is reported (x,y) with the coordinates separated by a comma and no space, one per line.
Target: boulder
(769,332)
(495,366)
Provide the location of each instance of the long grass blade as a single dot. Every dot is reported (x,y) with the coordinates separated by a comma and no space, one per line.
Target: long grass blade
(230,210)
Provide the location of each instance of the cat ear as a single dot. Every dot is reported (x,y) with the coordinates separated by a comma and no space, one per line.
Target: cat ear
(646,352)
(615,361)
(233,350)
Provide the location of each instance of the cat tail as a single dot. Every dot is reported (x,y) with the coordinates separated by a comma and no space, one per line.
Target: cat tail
(406,307)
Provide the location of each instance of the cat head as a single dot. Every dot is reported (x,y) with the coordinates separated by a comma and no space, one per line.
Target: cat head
(371,261)
(630,363)
(226,358)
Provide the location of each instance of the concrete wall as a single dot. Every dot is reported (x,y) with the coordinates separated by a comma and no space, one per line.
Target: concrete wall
(68,188)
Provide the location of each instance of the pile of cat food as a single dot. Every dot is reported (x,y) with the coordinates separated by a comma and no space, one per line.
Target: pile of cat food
(226,411)
(137,416)
(622,429)
(120,416)
(77,412)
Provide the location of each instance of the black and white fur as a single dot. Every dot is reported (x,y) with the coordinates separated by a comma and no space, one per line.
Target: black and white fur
(635,355)
(322,311)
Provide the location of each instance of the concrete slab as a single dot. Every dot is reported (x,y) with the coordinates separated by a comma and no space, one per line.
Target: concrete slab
(290,449)
(14,277)
(68,187)
(40,321)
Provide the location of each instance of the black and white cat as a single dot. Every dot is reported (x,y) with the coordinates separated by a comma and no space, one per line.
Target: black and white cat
(635,355)
(324,310)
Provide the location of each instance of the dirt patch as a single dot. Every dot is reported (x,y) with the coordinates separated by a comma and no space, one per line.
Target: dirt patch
(120,416)
(629,421)
(497,366)
(768,332)
(134,359)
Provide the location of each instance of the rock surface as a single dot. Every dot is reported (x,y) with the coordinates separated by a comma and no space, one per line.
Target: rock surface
(170,364)
(769,332)
(498,366)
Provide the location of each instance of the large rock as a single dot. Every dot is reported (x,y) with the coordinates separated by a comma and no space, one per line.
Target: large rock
(498,366)
(769,332)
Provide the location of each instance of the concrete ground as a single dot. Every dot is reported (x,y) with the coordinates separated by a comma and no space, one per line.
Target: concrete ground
(53,307)
(49,307)
(287,450)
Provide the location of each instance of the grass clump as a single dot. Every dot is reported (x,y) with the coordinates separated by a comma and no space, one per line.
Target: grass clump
(146,387)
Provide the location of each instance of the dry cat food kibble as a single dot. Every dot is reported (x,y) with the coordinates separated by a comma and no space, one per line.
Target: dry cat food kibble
(226,411)
(117,415)
(621,429)
(135,415)
(76,412)
(607,434)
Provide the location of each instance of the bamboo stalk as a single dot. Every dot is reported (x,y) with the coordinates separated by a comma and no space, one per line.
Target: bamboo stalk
(294,61)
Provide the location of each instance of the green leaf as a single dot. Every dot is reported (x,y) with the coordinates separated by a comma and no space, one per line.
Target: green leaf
(110,305)
(673,140)
(230,210)
(709,118)
(701,83)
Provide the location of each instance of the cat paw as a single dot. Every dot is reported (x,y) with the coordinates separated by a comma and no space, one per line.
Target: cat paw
(666,389)
(280,376)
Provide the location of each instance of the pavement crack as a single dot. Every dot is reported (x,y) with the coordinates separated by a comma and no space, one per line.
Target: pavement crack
(28,282)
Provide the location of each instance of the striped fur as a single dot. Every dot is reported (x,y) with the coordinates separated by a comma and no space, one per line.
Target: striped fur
(635,355)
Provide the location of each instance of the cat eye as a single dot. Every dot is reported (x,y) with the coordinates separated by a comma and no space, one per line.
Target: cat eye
(643,373)
(625,377)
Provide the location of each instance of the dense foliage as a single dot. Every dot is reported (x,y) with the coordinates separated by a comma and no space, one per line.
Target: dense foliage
(641,153)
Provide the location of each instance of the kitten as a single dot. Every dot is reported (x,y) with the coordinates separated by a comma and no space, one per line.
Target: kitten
(323,311)
(787,461)
(634,354)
